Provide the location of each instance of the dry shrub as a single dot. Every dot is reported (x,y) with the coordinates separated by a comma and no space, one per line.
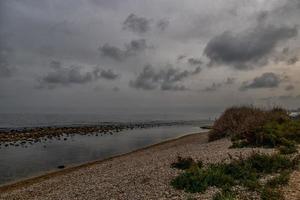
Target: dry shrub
(243,122)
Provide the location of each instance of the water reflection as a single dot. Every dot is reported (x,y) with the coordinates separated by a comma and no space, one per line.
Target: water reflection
(20,162)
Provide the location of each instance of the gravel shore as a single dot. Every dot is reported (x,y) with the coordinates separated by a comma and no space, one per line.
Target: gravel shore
(143,174)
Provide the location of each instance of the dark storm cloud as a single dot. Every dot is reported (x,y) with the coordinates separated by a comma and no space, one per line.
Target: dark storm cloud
(247,49)
(130,49)
(136,24)
(194,61)
(164,79)
(266,80)
(72,75)
(215,86)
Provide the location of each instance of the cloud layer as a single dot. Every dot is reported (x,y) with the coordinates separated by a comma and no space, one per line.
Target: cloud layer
(138,47)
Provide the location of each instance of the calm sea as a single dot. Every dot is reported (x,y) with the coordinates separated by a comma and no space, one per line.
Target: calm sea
(11,120)
(18,162)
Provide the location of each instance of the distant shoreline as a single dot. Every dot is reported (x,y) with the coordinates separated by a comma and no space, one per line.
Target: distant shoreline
(30,135)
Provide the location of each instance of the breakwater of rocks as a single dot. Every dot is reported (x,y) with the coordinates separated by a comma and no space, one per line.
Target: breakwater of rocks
(28,136)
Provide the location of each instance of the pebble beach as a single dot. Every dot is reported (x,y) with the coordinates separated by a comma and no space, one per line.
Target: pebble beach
(142,174)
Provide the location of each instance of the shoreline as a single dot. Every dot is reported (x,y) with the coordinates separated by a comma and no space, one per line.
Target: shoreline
(28,136)
(140,174)
(53,173)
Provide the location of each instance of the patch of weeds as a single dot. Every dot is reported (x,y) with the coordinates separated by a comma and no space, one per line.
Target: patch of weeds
(269,193)
(245,172)
(224,195)
(288,149)
(281,179)
(185,163)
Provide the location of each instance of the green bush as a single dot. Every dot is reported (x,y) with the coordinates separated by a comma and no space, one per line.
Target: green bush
(237,122)
(254,127)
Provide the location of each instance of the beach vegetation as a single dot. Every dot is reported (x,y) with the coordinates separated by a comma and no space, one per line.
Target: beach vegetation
(245,172)
(249,126)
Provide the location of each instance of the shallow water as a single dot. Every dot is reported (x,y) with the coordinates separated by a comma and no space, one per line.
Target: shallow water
(20,162)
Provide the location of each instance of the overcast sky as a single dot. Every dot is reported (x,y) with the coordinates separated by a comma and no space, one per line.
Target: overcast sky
(96,55)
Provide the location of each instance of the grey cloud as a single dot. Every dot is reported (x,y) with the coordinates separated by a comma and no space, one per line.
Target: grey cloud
(162,24)
(54,64)
(180,57)
(194,61)
(215,86)
(229,81)
(170,86)
(112,52)
(106,74)
(130,49)
(288,55)
(292,60)
(141,25)
(65,77)
(289,87)
(136,24)
(164,79)
(72,75)
(246,49)
(136,45)
(266,80)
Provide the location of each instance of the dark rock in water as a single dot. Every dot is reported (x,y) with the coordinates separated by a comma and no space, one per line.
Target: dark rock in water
(206,127)
(60,166)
